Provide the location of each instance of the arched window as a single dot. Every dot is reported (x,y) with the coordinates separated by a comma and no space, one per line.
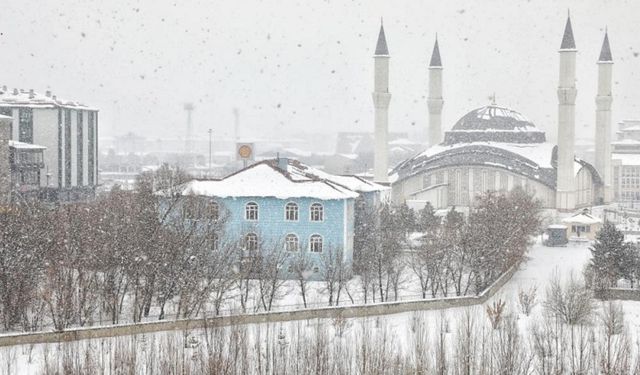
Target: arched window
(251,211)
(251,242)
(291,242)
(291,212)
(315,243)
(316,212)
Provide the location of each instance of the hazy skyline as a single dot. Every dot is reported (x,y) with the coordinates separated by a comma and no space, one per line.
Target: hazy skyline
(294,67)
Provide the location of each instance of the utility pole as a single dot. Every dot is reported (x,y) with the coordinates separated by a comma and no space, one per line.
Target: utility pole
(210,132)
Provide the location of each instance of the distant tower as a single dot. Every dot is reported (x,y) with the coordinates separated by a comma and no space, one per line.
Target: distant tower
(435,101)
(188,143)
(381,99)
(603,118)
(565,196)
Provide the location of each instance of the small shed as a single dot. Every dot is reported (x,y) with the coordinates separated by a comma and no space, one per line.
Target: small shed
(556,235)
(583,225)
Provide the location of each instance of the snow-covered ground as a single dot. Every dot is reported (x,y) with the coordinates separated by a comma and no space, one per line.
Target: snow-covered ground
(537,271)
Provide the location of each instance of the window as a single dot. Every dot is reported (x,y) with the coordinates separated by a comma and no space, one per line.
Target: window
(315,243)
(317,213)
(251,211)
(291,242)
(291,212)
(251,242)
(25,125)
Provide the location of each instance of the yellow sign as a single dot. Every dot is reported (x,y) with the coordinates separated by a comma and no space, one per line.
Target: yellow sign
(244,151)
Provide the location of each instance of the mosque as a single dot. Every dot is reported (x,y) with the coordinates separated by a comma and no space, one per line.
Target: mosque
(493,148)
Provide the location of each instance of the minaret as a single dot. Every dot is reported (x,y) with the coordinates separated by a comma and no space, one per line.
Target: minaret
(381,99)
(435,101)
(565,196)
(603,119)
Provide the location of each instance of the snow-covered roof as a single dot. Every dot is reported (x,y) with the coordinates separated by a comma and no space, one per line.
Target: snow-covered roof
(25,146)
(557,226)
(582,218)
(282,179)
(32,99)
(627,159)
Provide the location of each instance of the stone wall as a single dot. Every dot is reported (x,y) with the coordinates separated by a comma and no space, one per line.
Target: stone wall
(349,311)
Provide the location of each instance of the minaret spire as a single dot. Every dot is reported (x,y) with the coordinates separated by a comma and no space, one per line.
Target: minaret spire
(605,51)
(567,92)
(604,98)
(381,99)
(567,39)
(435,101)
(381,46)
(435,55)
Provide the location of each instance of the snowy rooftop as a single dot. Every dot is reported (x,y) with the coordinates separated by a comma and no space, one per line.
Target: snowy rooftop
(494,118)
(32,99)
(627,159)
(25,146)
(539,153)
(582,218)
(282,179)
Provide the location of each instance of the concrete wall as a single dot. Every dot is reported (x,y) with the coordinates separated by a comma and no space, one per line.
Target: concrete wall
(351,311)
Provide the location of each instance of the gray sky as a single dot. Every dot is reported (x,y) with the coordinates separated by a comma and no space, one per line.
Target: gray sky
(293,66)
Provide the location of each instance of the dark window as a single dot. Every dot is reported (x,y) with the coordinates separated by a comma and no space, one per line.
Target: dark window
(291,212)
(251,211)
(80,150)
(316,212)
(67,148)
(251,242)
(25,128)
(315,243)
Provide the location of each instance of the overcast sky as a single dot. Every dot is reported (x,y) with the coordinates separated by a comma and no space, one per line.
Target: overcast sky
(306,66)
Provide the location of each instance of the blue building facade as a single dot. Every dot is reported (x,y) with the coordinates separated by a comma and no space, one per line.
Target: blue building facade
(284,205)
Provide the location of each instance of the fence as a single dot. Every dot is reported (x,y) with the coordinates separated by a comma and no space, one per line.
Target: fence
(349,311)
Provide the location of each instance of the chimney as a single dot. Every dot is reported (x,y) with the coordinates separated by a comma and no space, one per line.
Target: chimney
(4,88)
(48,93)
(15,91)
(31,94)
(283,163)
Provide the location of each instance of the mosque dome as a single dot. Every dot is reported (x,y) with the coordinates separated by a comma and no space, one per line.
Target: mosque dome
(494,124)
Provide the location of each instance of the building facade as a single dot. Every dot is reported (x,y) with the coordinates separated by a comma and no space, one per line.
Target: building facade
(626,164)
(284,205)
(69,132)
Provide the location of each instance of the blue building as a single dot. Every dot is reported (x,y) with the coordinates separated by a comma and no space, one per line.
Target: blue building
(285,205)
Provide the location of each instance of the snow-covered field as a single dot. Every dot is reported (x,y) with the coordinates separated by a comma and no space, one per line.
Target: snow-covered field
(542,264)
